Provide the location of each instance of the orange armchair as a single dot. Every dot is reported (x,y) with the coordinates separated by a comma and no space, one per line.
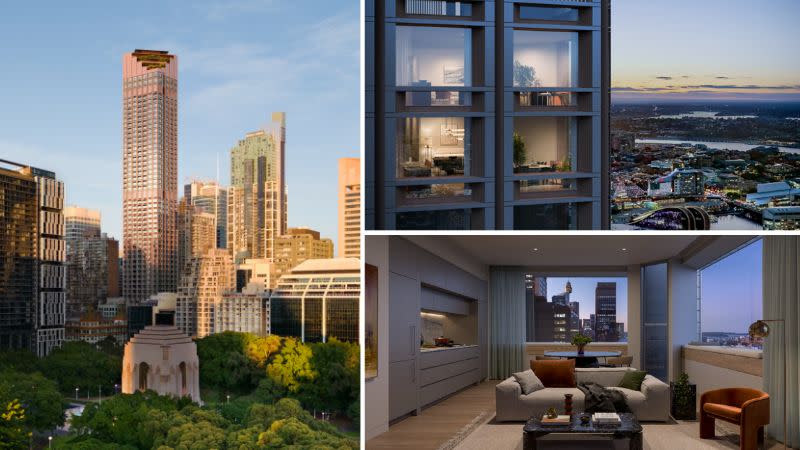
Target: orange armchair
(748,408)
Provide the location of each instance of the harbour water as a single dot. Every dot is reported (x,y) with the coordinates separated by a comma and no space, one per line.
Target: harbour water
(702,115)
(739,146)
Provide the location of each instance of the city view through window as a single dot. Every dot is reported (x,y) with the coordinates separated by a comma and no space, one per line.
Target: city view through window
(558,308)
(731,298)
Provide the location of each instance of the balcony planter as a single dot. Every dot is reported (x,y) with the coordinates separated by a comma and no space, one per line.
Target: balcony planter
(683,399)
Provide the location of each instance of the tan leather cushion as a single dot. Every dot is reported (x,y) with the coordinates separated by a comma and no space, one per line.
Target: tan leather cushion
(729,412)
(559,373)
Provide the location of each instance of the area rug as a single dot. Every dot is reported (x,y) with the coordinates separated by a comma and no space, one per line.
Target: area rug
(657,436)
(467,430)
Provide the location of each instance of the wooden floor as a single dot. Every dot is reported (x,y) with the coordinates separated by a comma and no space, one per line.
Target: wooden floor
(440,422)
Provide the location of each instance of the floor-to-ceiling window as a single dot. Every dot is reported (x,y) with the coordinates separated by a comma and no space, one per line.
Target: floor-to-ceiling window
(545,59)
(558,308)
(433,147)
(731,297)
(433,56)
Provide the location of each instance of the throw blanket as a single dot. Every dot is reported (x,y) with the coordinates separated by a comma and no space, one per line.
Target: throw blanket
(599,399)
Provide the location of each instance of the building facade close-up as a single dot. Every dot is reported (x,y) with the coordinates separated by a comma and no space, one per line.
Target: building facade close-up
(487,115)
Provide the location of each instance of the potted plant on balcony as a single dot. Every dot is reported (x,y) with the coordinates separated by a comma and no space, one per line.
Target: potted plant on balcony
(519,151)
(580,340)
(683,401)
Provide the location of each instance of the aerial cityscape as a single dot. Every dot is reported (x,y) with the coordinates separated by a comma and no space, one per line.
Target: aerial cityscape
(737,163)
(705,117)
(214,313)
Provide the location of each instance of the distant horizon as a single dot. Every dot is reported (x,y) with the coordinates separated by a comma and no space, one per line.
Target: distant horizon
(728,50)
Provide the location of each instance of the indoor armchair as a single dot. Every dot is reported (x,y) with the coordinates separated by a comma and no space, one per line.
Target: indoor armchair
(748,408)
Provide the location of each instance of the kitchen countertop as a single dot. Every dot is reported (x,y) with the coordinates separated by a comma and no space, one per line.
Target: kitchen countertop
(439,349)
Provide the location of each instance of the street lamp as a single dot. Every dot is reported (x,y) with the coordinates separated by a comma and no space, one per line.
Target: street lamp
(116,388)
(49,441)
(99,394)
(76,394)
(228,398)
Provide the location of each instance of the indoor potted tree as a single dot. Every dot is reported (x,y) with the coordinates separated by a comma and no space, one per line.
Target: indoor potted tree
(683,401)
(519,151)
(580,340)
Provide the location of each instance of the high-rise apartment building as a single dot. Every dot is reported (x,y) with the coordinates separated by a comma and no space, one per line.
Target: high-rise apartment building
(298,245)
(149,173)
(318,300)
(92,262)
(349,238)
(205,280)
(605,309)
(211,198)
(196,232)
(257,201)
(32,271)
(487,114)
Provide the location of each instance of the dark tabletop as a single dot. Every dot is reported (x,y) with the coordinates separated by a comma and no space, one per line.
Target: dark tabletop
(629,426)
(584,355)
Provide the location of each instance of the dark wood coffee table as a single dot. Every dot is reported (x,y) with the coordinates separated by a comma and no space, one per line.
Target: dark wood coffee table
(628,429)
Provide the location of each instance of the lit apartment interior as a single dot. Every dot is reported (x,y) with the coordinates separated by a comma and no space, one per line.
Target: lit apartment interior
(469,341)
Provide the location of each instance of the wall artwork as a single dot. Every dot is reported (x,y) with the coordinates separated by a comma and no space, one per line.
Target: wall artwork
(370,322)
(453,75)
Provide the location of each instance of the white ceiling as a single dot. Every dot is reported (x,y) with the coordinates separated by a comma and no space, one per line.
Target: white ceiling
(586,251)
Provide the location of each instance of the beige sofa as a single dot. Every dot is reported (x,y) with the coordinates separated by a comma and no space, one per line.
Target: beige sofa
(649,404)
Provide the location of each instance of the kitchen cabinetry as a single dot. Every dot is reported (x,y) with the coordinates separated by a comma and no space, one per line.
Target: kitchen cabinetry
(443,372)
(421,280)
(404,306)
(403,389)
(434,300)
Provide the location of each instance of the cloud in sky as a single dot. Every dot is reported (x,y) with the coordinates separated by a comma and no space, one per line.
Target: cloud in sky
(722,78)
(664,78)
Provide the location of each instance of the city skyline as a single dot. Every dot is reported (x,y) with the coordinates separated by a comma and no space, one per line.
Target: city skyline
(583,292)
(709,50)
(232,76)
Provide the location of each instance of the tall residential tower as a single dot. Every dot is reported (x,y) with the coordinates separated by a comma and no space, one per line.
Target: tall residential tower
(32,255)
(149,173)
(349,238)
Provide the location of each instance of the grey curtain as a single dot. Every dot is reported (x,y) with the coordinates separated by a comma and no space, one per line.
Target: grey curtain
(506,321)
(782,301)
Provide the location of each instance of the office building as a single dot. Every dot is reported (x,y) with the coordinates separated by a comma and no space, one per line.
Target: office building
(92,327)
(92,262)
(33,278)
(318,300)
(605,309)
(679,183)
(149,173)
(243,312)
(487,115)
(296,246)
(217,276)
(257,201)
(781,218)
(211,198)
(196,232)
(349,238)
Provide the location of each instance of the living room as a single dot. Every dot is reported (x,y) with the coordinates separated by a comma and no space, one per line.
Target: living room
(473,341)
